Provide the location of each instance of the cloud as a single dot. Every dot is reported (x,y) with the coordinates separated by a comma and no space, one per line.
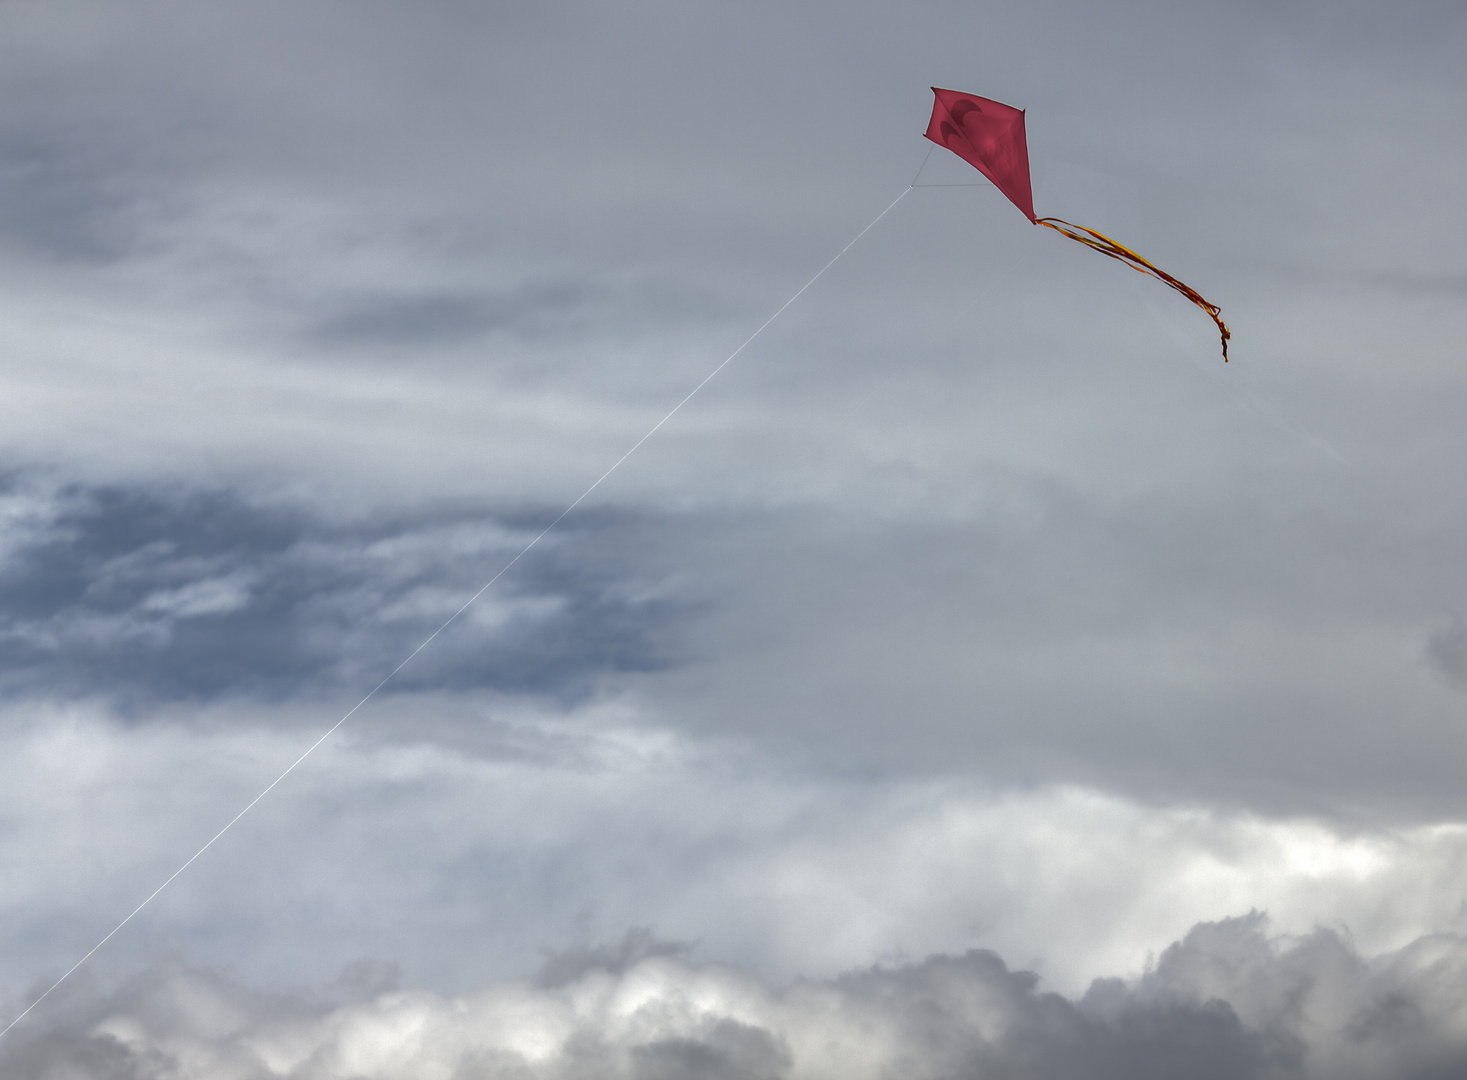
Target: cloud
(456,835)
(393,321)
(1227,1002)
(1446,648)
(158,594)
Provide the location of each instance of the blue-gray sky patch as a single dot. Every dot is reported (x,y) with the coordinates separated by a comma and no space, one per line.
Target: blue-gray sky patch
(161,594)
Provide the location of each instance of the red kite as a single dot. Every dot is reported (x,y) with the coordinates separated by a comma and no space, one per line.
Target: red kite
(989,135)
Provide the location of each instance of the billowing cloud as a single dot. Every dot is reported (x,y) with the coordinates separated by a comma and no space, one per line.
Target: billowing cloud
(1224,1003)
(455,835)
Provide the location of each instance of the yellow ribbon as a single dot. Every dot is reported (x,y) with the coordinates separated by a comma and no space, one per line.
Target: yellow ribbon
(1106,246)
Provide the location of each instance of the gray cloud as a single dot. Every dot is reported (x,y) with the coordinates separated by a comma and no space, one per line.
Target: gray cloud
(156,594)
(563,967)
(393,321)
(1224,1003)
(58,203)
(1446,648)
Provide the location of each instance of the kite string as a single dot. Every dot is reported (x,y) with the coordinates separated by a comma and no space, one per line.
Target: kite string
(466,605)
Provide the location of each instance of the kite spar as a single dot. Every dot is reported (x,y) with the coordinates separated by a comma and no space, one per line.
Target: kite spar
(989,135)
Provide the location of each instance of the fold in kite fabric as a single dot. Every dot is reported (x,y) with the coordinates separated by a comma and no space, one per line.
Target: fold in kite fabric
(989,135)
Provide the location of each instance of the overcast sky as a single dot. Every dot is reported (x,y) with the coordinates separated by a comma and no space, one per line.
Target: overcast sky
(977,675)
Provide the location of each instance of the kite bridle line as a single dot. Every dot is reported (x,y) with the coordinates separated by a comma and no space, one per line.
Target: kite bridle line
(925,160)
(467,604)
(1106,246)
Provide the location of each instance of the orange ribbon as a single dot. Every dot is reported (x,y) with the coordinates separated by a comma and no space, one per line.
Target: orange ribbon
(1106,246)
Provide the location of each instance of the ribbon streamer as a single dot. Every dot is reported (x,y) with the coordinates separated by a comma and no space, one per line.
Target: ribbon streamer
(1106,246)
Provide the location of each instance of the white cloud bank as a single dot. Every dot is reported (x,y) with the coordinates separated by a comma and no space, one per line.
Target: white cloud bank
(462,860)
(1225,1002)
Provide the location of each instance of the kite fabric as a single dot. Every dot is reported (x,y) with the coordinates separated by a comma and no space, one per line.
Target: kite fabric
(989,136)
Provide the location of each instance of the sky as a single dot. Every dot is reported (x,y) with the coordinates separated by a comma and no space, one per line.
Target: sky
(976,677)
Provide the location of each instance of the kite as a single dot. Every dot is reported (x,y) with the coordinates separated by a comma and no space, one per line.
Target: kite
(989,135)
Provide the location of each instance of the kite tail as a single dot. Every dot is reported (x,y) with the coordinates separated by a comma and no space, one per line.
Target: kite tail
(1106,246)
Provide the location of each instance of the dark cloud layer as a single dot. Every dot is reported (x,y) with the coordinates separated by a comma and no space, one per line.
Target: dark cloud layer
(394,321)
(158,594)
(1224,1003)
(60,201)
